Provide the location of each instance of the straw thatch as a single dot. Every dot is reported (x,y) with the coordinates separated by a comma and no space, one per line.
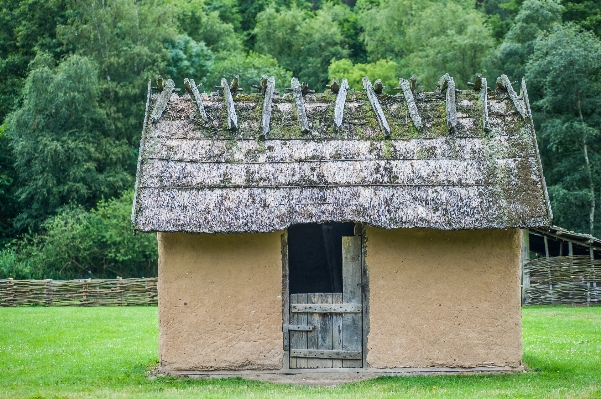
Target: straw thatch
(445,160)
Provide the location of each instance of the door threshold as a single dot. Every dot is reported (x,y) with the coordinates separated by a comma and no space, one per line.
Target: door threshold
(336,376)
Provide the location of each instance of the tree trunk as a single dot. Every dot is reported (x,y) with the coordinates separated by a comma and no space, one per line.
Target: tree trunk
(588,170)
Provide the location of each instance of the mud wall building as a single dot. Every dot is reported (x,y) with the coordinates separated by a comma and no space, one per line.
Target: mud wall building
(339,230)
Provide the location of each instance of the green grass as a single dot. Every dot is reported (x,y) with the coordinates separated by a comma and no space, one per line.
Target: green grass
(104,353)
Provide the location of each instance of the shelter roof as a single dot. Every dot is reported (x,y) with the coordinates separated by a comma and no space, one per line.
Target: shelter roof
(228,162)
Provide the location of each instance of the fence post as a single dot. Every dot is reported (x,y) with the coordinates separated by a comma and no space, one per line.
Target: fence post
(85,292)
(49,292)
(11,293)
(119,291)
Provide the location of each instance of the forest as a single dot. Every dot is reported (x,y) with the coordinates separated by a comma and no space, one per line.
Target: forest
(74,73)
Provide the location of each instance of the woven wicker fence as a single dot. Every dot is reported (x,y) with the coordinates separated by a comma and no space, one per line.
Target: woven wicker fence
(89,292)
(562,280)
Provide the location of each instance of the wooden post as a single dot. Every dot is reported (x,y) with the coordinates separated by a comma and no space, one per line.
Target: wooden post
(119,291)
(10,291)
(570,249)
(352,328)
(484,99)
(451,107)
(375,104)
(85,292)
(162,101)
(546,246)
(411,107)
(339,105)
(285,301)
(49,292)
(232,118)
(191,87)
(560,247)
(266,114)
(525,259)
(300,106)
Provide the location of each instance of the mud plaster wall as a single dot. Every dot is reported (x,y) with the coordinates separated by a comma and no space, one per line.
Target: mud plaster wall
(444,298)
(220,301)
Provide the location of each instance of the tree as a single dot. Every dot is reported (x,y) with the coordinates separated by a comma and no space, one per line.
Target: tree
(586,13)
(250,68)
(350,28)
(428,38)
(535,18)
(9,207)
(127,39)
(447,38)
(27,26)
(63,148)
(188,59)
(564,77)
(77,243)
(204,25)
(381,69)
(302,42)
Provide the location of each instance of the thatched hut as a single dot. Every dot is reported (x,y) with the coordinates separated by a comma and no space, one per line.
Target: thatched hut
(341,229)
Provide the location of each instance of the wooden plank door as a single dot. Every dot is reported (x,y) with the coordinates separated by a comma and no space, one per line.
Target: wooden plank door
(326,329)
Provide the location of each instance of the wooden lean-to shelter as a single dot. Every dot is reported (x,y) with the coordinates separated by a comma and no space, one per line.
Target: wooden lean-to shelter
(345,229)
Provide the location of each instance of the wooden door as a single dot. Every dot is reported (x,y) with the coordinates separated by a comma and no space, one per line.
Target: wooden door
(326,329)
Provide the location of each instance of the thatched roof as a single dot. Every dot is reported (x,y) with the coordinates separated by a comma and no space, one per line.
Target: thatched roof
(450,159)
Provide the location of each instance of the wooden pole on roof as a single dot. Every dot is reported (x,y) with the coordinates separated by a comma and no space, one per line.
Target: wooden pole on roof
(232,118)
(267,101)
(340,101)
(300,105)
(375,104)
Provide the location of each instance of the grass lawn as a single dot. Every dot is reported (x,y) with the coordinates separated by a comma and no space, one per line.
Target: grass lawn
(104,352)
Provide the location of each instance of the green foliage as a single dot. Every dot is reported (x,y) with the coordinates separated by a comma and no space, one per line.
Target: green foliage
(302,42)
(428,38)
(456,45)
(381,69)
(27,26)
(196,19)
(250,68)
(564,75)
(586,13)
(188,59)
(9,207)
(535,18)
(62,150)
(127,39)
(77,243)
(102,352)
(350,28)
(500,15)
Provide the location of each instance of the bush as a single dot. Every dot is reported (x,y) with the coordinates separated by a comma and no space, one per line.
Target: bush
(76,243)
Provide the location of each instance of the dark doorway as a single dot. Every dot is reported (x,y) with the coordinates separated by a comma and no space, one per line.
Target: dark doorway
(315,256)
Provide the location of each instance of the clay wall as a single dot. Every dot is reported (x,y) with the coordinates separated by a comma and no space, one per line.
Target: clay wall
(444,298)
(220,301)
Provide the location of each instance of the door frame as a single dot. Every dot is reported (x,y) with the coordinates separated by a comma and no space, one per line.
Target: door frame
(359,230)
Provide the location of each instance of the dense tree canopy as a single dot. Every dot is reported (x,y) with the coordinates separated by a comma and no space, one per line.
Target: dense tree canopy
(62,142)
(565,80)
(73,78)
